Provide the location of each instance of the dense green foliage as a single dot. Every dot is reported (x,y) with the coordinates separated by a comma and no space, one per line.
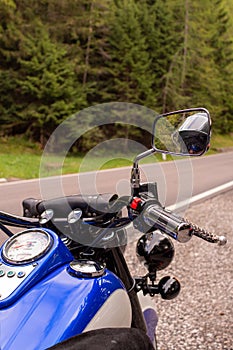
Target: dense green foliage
(60,56)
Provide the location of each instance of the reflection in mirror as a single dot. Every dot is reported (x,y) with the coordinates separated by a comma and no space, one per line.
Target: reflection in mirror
(185,132)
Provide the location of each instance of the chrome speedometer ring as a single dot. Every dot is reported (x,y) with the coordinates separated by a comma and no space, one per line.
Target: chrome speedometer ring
(27,246)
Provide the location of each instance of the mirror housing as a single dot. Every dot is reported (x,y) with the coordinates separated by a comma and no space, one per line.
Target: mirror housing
(185,132)
(182,133)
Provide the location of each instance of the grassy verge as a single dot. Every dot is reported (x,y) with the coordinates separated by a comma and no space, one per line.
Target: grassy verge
(221,142)
(19,158)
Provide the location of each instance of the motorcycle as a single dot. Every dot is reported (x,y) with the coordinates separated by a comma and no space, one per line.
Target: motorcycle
(64,276)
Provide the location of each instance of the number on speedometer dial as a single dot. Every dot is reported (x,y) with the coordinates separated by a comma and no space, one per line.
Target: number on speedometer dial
(26,246)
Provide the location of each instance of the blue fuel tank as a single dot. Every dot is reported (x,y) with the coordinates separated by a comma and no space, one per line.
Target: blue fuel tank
(53,298)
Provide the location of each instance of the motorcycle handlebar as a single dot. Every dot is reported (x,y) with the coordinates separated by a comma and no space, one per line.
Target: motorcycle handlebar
(168,222)
(178,228)
(17,221)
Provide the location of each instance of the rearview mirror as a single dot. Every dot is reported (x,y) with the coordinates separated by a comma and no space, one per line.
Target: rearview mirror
(184,132)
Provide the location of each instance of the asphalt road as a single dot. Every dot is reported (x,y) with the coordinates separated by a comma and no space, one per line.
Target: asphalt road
(176,181)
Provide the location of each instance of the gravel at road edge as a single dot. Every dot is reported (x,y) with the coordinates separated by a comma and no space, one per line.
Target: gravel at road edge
(201,317)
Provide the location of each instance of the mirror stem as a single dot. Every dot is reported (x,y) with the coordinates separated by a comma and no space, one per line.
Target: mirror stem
(135,180)
(135,172)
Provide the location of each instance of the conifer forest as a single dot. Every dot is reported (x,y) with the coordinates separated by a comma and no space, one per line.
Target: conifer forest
(60,56)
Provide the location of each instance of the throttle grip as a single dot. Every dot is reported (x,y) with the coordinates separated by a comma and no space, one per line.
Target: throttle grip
(169,223)
(156,217)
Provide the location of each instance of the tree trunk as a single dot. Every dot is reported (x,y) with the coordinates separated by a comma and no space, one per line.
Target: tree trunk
(186,28)
(88,49)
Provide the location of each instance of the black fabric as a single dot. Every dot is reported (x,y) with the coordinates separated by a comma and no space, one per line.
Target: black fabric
(109,339)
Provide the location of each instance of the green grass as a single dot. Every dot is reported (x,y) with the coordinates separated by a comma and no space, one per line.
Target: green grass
(75,164)
(219,142)
(21,159)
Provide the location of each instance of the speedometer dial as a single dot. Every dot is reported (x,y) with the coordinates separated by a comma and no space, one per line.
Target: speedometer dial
(26,246)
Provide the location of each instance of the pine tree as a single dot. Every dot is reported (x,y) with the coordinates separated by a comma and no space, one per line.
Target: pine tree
(192,77)
(131,79)
(222,44)
(159,28)
(47,87)
(58,55)
(82,26)
(10,37)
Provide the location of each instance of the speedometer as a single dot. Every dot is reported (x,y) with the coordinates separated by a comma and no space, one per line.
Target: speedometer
(26,246)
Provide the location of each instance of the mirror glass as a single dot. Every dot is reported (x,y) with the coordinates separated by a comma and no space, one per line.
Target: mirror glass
(185,132)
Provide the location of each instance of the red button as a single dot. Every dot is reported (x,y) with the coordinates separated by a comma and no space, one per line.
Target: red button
(135,203)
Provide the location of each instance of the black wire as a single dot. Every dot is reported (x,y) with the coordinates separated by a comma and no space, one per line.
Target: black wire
(6,230)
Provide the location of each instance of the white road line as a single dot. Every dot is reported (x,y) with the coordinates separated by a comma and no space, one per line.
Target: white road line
(55,177)
(203,195)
